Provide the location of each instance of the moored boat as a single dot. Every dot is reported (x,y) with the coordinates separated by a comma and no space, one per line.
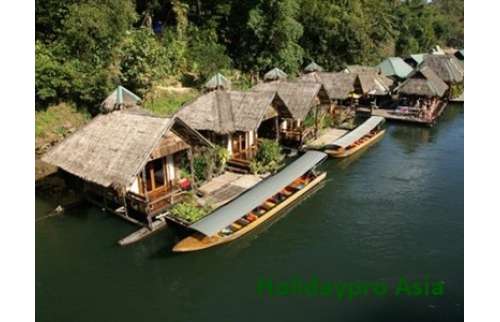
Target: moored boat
(257,205)
(361,137)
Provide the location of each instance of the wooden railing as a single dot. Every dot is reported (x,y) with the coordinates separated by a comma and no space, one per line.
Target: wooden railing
(245,155)
(156,204)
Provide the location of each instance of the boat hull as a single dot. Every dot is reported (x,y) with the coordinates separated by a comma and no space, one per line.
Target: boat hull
(343,153)
(199,242)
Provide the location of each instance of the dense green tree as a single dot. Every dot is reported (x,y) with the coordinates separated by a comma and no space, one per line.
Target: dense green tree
(92,29)
(85,48)
(273,36)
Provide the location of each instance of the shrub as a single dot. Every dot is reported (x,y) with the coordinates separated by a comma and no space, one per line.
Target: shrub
(268,158)
(206,55)
(209,162)
(189,210)
(199,167)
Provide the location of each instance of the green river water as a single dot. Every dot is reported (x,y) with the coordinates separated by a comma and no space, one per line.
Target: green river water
(394,211)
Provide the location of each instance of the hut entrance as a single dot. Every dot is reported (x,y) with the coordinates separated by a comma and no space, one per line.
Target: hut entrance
(269,129)
(242,146)
(155,180)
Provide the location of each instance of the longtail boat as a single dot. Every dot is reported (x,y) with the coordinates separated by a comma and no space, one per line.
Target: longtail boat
(257,205)
(361,137)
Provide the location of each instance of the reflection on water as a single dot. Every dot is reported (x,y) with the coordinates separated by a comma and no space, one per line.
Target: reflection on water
(412,136)
(396,209)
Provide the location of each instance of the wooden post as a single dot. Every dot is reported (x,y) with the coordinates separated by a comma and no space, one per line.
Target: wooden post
(191,166)
(145,189)
(316,122)
(277,125)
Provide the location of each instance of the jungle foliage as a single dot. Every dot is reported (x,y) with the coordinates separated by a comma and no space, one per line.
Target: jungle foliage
(85,48)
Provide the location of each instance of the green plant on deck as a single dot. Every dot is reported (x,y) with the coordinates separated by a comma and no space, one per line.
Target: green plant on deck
(268,158)
(189,210)
(456,90)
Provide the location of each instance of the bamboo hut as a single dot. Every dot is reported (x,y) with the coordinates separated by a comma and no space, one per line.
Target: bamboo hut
(446,67)
(275,74)
(421,94)
(128,160)
(121,98)
(236,120)
(307,102)
(373,89)
(339,86)
(395,68)
(423,83)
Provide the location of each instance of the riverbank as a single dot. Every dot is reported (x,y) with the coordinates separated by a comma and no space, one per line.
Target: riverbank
(392,212)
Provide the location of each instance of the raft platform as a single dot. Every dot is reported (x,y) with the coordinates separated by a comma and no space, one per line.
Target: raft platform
(392,115)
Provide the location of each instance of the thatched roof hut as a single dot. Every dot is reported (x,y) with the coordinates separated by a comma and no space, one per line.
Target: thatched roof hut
(313,67)
(423,82)
(373,84)
(224,112)
(395,67)
(119,99)
(275,74)
(299,97)
(218,81)
(359,69)
(447,67)
(113,148)
(339,86)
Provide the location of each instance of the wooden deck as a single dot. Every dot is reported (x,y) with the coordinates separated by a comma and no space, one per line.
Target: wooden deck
(326,137)
(226,187)
(392,115)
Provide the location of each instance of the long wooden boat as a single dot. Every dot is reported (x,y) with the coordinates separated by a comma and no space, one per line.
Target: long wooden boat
(256,206)
(363,136)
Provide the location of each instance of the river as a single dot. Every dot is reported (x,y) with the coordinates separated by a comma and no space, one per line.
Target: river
(394,211)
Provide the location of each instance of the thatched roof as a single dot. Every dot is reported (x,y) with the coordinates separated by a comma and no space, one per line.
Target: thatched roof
(275,74)
(447,67)
(423,82)
(359,69)
(373,84)
(299,97)
(338,85)
(395,66)
(113,148)
(313,67)
(225,112)
(218,81)
(119,99)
